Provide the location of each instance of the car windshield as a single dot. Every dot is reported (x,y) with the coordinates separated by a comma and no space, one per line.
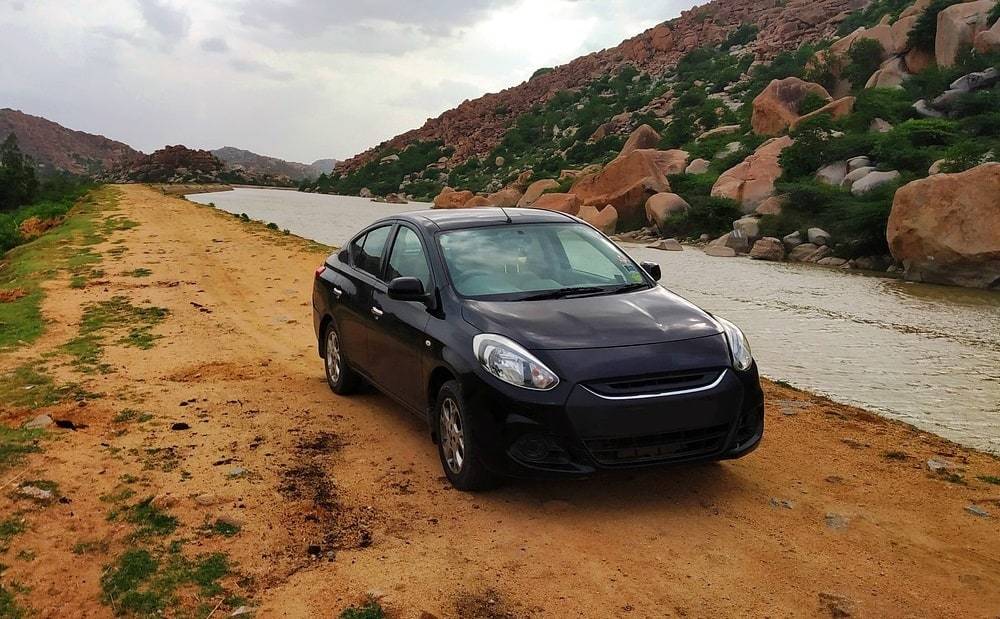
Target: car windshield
(520,262)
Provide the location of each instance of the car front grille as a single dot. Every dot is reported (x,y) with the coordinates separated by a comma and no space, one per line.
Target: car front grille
(653,384)
(679,445)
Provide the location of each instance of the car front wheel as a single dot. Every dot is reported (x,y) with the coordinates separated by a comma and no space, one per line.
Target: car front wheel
(341,378)
(458,453)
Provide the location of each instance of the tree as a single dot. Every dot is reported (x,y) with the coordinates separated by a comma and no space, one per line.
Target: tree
(18,185)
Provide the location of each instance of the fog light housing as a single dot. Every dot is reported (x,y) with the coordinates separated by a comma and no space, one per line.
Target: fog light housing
(538,449)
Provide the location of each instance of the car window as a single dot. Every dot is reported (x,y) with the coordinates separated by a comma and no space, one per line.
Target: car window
(366,251)
(519,261)
(408,258)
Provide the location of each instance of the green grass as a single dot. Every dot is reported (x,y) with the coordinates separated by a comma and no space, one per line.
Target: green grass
(146,582)
(221,527)
(9,608)
(28,386)
(111,315)
(131,414)
(31,264)
(141,272)
(990,479)
(369,610)
(15,443)
(9,529)
(149,520)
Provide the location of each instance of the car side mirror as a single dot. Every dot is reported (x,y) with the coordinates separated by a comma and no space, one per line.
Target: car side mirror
(407,289)
(653,269)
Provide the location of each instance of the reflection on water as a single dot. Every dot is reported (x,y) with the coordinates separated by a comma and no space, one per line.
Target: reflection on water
(927,355)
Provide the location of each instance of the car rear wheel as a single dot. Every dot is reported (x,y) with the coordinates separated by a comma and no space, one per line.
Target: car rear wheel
(458,453)
(339,375)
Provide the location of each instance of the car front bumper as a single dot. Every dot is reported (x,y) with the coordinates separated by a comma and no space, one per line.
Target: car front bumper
(518,435)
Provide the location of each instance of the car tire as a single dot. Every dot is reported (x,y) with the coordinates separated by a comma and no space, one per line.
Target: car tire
(458,453)
(339,375)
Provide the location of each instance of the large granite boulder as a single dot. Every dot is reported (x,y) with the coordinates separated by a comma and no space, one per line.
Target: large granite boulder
(673,161)
(449,198)
(504,198)
(535,190)
(661,206)
(957,27)
(768,248)
(777,106)
(562,202)
(625,183)
(946,228)
(643,137)
(605,219)
(751,181)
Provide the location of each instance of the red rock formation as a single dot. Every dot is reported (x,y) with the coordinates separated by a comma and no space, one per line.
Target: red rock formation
(475,127)
(625,183)
(170,164)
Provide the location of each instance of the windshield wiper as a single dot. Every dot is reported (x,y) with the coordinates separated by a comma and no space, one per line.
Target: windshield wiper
(562,293)
(629,287)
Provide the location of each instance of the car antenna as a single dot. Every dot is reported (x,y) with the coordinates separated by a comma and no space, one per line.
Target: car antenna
(506,215)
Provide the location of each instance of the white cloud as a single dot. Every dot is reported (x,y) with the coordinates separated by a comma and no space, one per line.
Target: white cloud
(298,79)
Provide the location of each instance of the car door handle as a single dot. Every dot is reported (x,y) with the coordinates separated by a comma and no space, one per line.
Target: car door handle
(376,312)
(337,292)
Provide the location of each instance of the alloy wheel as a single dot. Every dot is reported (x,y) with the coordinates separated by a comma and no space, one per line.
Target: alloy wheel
(452,435)
(333,356)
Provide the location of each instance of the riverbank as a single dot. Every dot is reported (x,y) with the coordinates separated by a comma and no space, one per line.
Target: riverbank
(189,377)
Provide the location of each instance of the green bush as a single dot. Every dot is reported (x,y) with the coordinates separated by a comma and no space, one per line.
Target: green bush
(689,186)
(924,30)
(811,102)
(816,146)
(707,215)
(18,184)
(872,14)
(863,59)
(915,144)
(742,35)
(540,72)
(889,104)
(994,14)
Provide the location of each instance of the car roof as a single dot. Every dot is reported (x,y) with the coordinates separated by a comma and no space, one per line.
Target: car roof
(458,218)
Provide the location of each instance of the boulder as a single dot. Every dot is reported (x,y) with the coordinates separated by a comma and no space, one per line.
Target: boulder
(661,206)
(643,137)
(605,219)
(988,41)
(924,109)
(957,27)
(835,109)
(477,201)
(832,173)
(946,228)
(395,198)
(723,130)
(808,252)
(777,106)
(771,206)
(751,181)
(667,245)
(562,202)
(625,183)
(499,161)
(535,190)
(976,79)
(673,161)
(818,236)
(900,31)
(858,162)
(505,198)
(697,166)
(936,167)
(832,261)
(727,150)
(879,125)
(855,175)
(449,198)
(365,193)
(747,228)
(792,240)
(881,33)
(768,248)
(891,74)
(918,60)
(870,181)
(720,252)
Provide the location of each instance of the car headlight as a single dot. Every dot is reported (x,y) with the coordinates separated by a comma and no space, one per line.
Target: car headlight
(739,347)
(511,363)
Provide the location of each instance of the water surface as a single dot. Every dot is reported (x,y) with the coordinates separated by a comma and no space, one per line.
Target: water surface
(926,355)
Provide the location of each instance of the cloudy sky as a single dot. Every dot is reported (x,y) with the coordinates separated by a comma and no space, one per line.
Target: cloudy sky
(297,79)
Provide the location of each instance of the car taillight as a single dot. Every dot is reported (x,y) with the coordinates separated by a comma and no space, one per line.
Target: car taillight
(320,270)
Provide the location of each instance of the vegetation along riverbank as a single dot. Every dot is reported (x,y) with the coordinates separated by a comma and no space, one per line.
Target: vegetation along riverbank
(168,443)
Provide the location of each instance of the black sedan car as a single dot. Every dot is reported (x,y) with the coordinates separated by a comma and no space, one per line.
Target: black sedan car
(533,346)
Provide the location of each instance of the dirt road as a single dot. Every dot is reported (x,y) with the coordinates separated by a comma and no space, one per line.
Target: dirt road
(217,408)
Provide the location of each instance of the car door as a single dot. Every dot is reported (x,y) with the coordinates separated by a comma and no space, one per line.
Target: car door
(397,341)
(366,254)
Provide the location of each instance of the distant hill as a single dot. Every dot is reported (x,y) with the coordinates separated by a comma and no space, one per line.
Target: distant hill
(56,148)
(254,164)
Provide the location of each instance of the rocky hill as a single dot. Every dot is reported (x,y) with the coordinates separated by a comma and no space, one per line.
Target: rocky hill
(475,127)
(262,165)
(170,164)
(785,137)
(56,148)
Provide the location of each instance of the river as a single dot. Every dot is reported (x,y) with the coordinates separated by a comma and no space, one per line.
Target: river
(926,355)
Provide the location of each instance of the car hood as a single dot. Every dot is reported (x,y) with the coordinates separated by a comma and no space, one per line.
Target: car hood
(641,317)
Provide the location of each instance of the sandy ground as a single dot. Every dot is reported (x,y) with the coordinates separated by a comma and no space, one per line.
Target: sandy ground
(343,497)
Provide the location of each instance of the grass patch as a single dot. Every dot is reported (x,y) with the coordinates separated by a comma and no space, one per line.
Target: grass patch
(990,479)
(141,272)
(146,582)
(111,315)
(9,608)
(131,414)
(896,455)
(15,444)
(369,610)
(9,529)
(149,521)
(221,527)
(27,386)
